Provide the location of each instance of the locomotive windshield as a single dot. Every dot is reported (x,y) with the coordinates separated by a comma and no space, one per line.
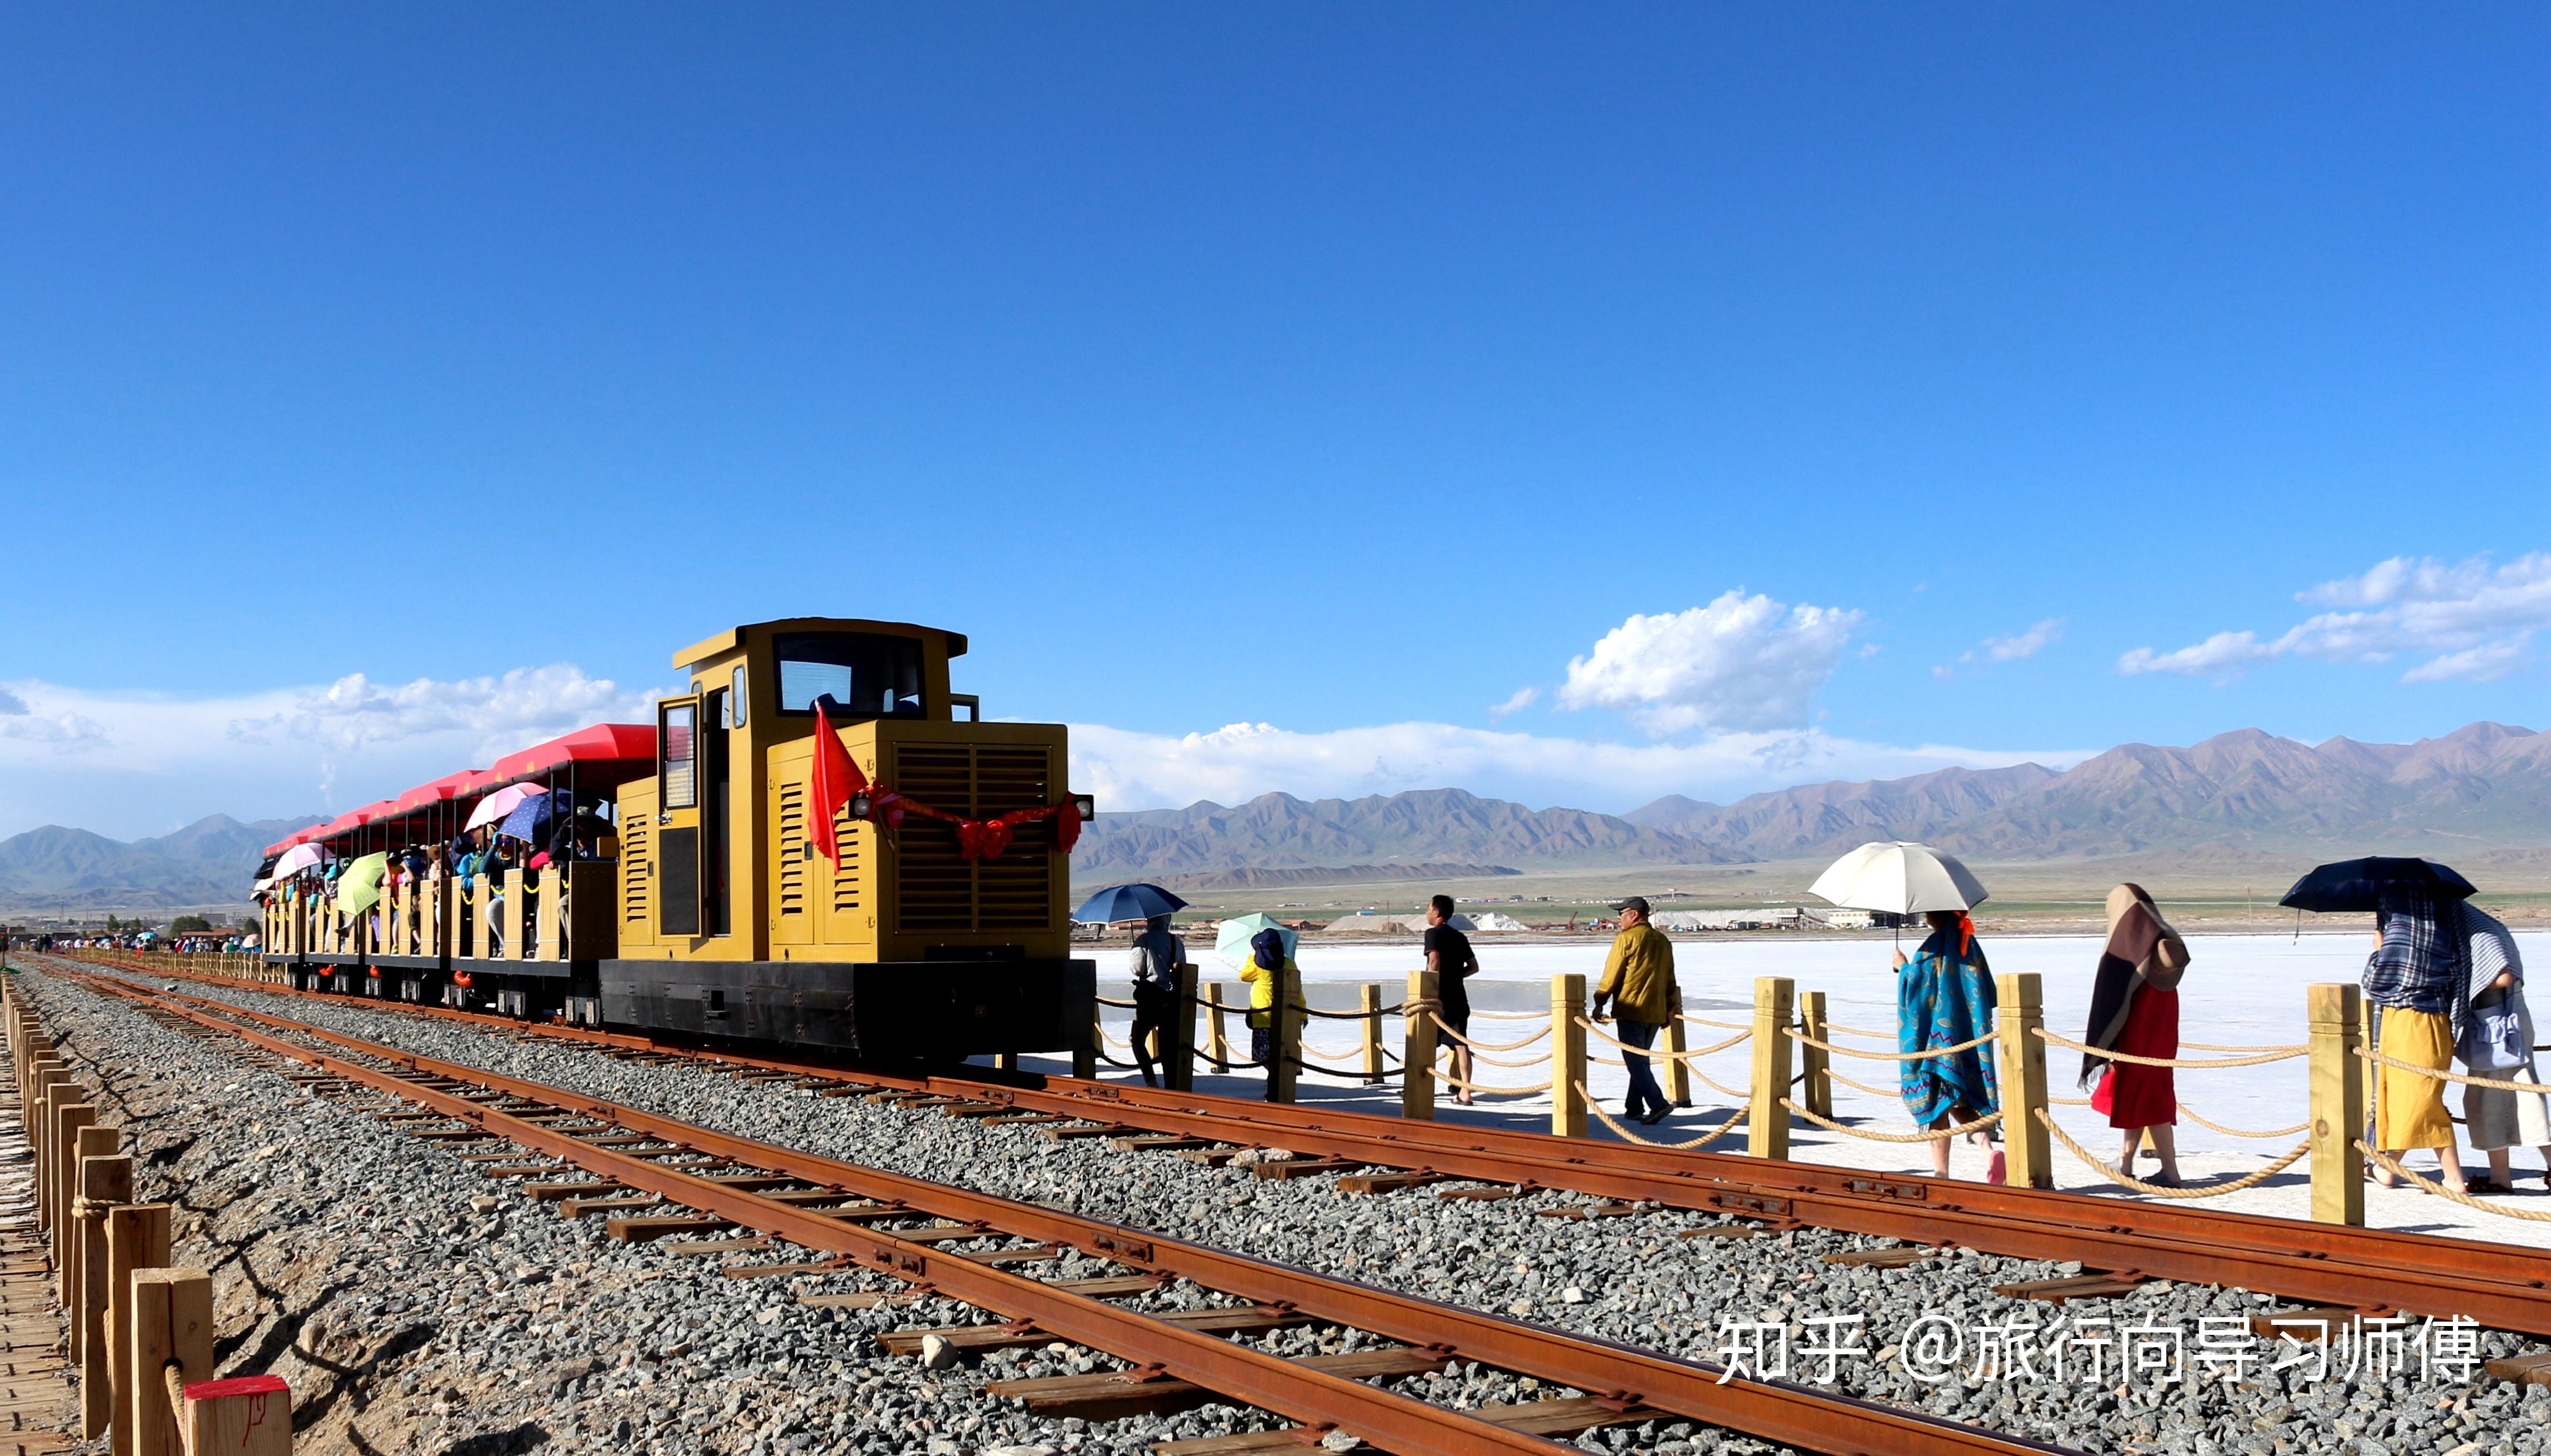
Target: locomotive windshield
(872,675)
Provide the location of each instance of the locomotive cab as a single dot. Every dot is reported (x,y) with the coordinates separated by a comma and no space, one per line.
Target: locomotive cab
(927,935)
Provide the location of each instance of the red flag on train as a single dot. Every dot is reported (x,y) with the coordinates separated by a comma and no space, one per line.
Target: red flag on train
(836,778)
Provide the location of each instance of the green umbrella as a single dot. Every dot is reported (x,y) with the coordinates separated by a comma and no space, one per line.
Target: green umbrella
(1231,941)
(360,887)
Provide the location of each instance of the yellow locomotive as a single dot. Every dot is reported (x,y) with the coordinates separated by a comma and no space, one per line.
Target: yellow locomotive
(681,886)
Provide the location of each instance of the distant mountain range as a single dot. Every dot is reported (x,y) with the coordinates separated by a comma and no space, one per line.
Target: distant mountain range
(2486,785)
(206,863)
(2483,786)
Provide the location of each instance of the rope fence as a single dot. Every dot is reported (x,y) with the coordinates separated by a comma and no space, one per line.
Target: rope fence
(1932,1135)
(1626,1136)
(2274,1054)
(2163,1191)
(2398,1170)
(1796,1035)
(1660,1054)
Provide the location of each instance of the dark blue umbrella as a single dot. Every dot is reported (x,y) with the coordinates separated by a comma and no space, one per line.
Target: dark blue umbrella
(2359,885)
(1127,902)
(530,820)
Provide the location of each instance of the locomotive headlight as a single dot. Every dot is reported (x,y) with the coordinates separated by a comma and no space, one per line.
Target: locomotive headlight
(1088,805)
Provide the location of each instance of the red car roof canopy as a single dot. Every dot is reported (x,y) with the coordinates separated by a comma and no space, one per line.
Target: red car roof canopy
(606,756)
(427,795)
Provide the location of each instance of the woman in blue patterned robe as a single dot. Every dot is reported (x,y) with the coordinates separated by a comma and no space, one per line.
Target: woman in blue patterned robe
(1944,996)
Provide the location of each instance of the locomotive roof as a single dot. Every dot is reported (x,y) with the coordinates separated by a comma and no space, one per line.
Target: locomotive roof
(732,637)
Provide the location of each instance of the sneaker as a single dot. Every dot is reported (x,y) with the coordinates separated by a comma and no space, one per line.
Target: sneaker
(1998,1170)
(1655,1118)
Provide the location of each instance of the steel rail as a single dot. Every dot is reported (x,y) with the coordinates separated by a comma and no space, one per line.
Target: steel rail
(2314,1263)
(1771,1410)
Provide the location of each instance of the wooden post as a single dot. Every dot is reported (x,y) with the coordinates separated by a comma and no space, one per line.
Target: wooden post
(1766,1122)
(1084,1058)
(1678,1078)
(2335,1015)
(1283,1076)
(2023,1080)
(1567,1054)
(173,1323)
(1371,1006)
(1217,1041)
(92,1141)
(137,1237)
(1815,1063)
(105,1182)
(245,1416)
(49,1075)
(1418,1050)
(68,1122)
(1177,1034)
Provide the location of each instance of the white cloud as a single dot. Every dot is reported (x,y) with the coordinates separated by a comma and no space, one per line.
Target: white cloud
(2471,621)
(130,763)
(11,704)
(1523,698)
(1740,664)
(1131,771)
(2011,649)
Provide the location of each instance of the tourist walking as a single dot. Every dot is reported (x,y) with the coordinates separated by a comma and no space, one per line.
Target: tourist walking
(2134,1010)
(2496,1042)
(1271,975)
(2417,979)
(1157,957)
(1447,955)
(1944,997)
(1638,983)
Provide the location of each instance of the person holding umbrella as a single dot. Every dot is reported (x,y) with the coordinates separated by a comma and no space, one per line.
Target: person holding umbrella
(1944,994)
(2416,979)
(1157,955)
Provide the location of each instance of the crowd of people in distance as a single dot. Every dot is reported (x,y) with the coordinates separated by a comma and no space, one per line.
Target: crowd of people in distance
(183,942)
(2444,984)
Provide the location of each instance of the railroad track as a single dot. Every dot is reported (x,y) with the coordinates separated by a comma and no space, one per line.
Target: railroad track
(2330,1271)
(963,1245)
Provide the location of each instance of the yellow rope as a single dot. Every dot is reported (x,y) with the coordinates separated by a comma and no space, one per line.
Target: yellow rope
(1741,1094)
(1493,1091)
(1941,1135)
(2397,1171)
(1720,1025)
(2497,1084)
(1109,1001)
(2303,1126)
(1626,1136)
(2154,1190)
(2280,1054)
(1794,1034)
(1664,1056)
(1856,1031)
(2199,1046)
(1444,1031)
(1373,1016)
(1875,1091)
(1505,1016)
(1486,1046)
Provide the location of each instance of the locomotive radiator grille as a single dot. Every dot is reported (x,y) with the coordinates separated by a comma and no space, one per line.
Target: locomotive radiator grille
(939,891)
(637,873)
(791,892)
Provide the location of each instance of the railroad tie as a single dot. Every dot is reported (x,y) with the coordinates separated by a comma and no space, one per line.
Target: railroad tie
(642,1228)
(1599,1210)
(2080,1286)
(1570,1417)
(1102,1129)
(1390,1182)
(1110,1395)
(1900,1258)
(2525,1370)
(1723,1232)
(1305,1168)
(718,1246)
(1159,1143)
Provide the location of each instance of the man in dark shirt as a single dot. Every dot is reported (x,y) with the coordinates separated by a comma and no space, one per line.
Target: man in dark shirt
(1447,955)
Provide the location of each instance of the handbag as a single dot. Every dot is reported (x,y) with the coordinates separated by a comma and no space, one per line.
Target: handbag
(2493,1036)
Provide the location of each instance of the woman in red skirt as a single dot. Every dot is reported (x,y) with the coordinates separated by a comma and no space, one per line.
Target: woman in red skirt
(2134,1010)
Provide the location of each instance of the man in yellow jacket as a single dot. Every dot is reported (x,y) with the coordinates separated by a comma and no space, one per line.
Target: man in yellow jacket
(1639,982)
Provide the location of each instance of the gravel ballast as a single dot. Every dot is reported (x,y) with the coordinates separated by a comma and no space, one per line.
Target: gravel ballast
(1628,1279)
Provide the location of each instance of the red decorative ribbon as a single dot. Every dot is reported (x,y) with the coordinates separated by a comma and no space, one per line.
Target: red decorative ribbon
(836,780)
(987,839)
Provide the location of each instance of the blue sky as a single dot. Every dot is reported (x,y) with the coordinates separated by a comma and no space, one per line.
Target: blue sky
(379,390)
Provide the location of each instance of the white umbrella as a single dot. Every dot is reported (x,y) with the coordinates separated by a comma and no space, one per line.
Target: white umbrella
(1901,879)
(496,807)
(301,857)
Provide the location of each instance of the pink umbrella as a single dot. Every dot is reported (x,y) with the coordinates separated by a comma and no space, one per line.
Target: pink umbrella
(496,807)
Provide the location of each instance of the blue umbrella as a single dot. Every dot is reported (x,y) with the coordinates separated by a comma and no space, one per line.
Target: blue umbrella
(1127,902)
(530,820)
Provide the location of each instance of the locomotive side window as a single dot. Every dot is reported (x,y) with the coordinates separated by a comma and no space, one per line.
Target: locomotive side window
(678,749)
(869,675)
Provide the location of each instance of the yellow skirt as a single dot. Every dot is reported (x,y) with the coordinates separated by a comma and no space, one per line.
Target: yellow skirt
(2412,1111)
